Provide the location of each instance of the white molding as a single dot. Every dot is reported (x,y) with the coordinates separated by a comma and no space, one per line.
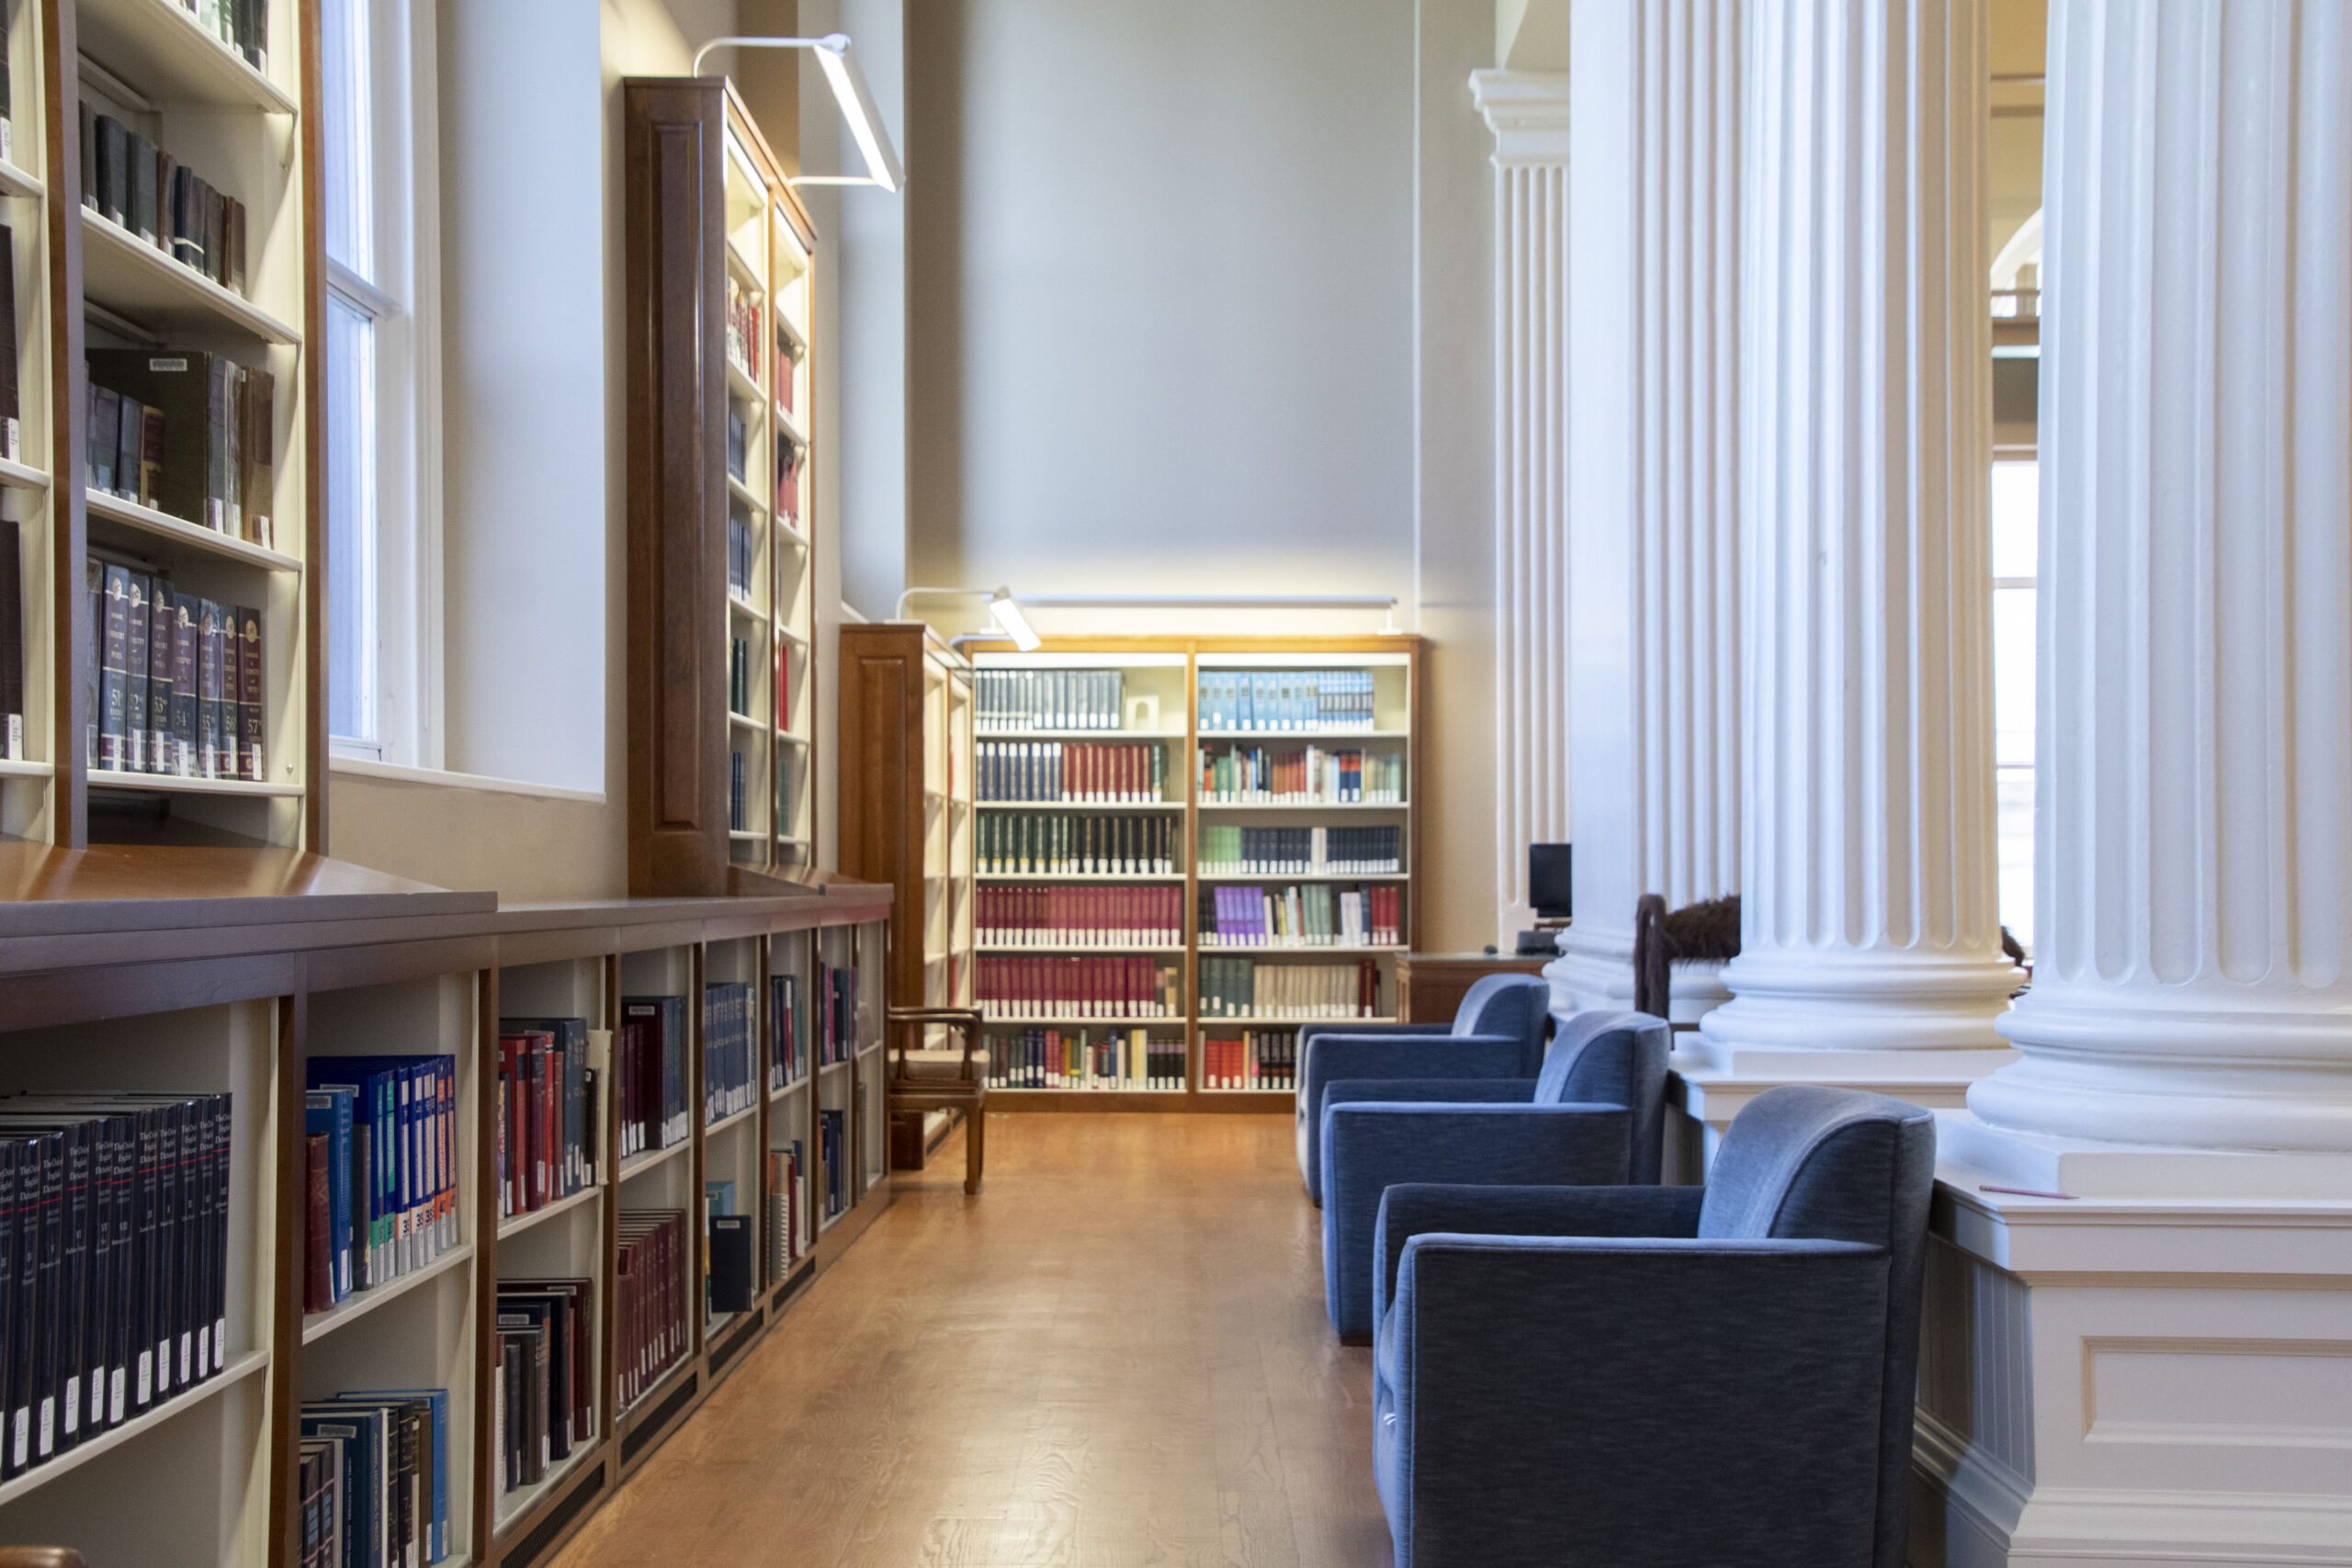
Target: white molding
(1527,111)
(442,778)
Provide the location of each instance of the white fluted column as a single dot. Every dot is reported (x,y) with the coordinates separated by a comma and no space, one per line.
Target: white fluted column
(1866,875)
(2194,826)
(1653,274)
(2133,1345)
(1528,112)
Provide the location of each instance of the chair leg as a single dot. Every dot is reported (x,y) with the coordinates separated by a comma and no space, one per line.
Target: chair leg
(974,1148)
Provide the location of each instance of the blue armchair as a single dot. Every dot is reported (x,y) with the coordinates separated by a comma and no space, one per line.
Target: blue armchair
(1647,1376)
(1594,1116)
(1497,1033)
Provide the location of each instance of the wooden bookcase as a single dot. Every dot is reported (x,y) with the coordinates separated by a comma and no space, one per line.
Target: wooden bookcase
(193,969)
(1159,681)
(721,260)
(907,815)
(85,282)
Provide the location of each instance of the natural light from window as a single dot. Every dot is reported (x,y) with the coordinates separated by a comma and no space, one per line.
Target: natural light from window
(2016,528)
(351,380)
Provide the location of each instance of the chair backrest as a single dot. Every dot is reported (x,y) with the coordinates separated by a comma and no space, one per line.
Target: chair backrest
(1841,1165)
(1516,1005)
(1613,1059)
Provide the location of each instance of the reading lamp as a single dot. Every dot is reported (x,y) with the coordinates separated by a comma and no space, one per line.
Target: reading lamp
(849,90)
(1001,604)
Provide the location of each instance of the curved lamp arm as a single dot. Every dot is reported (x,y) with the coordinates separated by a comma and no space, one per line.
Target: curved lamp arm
(866,125)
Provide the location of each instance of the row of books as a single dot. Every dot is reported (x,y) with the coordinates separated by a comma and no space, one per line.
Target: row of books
(12,633)
(1049,699)
(738,447)
(653,1072)
(729,1081)
(730,1268)
(1080,917)
(742,328)
(740,549)
(787,1056)
(783,1222)
(1097,844)
(1255,1058)
(836,1014)
(187,433)
(552,1075)
(1077,987)
(179,682)
(739,793)
(650,1299)
(1077,773)
(138,186)
(373,1483)
(1300,775)
(787,365)
(242,25)
(381,1143)
(1119,1060)
(544,1401)
(789,457)
(1301,851)
(833,1159)
(1234,701)
(1314,916)
(1243,988)
(739,676)
(114,1264)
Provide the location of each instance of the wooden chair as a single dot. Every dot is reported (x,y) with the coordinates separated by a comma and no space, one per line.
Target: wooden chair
(965,1088)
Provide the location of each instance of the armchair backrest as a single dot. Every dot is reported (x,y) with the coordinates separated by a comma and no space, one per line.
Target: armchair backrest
(1839,1165)
(1613,1059)
(1514,1005)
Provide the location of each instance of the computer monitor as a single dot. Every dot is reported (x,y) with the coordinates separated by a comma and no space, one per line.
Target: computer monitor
(1547,880)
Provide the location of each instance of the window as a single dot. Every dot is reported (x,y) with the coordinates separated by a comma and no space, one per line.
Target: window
(2016,540)
(382,697)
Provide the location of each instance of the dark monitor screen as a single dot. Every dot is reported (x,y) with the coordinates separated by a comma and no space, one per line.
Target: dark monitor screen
(1547,880)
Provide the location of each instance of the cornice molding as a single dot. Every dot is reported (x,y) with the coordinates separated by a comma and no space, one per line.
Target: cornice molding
(1528,113)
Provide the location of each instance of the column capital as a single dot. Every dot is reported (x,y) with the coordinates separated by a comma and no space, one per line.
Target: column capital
(1527,111)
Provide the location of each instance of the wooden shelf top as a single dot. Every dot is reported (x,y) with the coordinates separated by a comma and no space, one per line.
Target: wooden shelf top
(125,273)
(160,49)
(147,527)
(47,891)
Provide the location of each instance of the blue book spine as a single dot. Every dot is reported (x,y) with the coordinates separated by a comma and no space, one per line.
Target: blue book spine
(439,1398)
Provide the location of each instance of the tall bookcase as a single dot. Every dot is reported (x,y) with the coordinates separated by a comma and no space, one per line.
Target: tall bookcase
(1145,1004)
(86,281)
(722,493)
(121,992)
(908,814)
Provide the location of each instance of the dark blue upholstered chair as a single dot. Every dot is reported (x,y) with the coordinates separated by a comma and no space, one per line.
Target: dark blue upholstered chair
(1647,1376)
(1497,1033)
(1594,1116)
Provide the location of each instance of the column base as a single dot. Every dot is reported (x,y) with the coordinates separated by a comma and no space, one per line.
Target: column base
(1864,999)
(1712,1082)
(2142,1374)
(1595,969)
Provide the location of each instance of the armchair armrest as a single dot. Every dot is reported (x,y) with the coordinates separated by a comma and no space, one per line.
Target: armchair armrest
(1370,1146)
(1410,1209)
(1408,1052)
(1554,1390)
(1439,1091)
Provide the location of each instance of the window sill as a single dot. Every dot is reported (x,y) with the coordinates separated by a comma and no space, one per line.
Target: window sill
(395,772)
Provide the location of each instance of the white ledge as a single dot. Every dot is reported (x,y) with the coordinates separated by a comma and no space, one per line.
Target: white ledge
(397,772)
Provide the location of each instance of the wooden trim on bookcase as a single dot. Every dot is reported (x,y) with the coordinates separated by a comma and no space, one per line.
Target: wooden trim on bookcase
(71,640)
(314,662)
(487,1370)
(674,265)
(608,1381)
(881,792)
(286,1280)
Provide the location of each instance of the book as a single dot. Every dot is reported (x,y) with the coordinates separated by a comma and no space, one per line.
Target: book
(785,1175)
(1309,915)
(1081,772)
(402,1214)
(728,1082)
(562,1311)
(1126,1058)
(543,1148)
(788,1032)
(201,442)
(1096,843)
(1236,774)
(1300,852)
(1259,1059)
(11,430)
(729,1250)
(833,1158)
(1049,699)
(1243,988)
(650,1299)
(652,1071)
(413,1496)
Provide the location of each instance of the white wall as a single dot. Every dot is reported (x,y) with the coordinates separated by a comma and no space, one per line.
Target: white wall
(523,381)
(1162,308)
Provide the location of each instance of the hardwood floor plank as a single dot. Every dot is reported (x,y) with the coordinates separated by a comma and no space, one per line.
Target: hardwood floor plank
(1115,1356)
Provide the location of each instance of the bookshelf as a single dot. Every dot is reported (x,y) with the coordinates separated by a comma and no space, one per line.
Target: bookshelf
(908,813)
(1259,827)
(722,696)
(108,307)
(136,991)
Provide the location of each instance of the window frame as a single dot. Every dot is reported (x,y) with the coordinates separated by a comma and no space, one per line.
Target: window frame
(402,302)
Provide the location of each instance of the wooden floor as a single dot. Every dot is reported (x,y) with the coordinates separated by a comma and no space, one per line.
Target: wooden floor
(1116,1356)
